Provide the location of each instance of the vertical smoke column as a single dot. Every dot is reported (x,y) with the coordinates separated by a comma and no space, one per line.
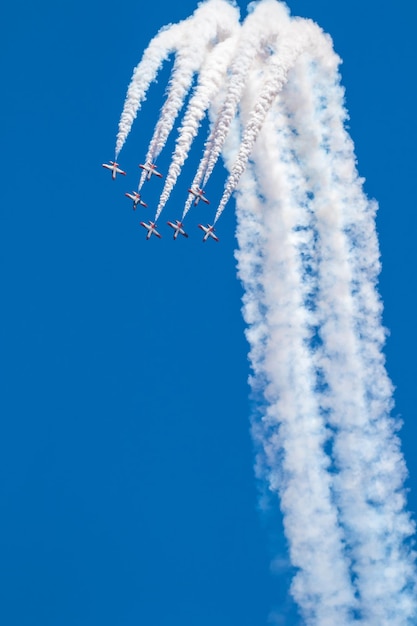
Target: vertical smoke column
(357,397)
(291,435)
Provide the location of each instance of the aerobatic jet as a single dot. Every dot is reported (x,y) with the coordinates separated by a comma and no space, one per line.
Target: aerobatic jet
(209,232)
(151,228)
(198,195)
(178,229)
(150,168)
(135,196)
(114,169)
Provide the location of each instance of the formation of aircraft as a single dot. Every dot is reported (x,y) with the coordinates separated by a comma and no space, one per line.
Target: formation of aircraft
(198,195)
(150,169)
(151,228)
(208,232)
(135,196)
(178,229)
(177,226)
(115,169)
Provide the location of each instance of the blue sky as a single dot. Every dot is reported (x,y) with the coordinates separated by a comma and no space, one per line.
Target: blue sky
(128,493)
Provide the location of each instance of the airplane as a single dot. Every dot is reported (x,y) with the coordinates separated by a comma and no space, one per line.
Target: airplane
(178,229)
(151,227)
(150,168)
(209,232)
(114,169)
(198,195)
(135,196)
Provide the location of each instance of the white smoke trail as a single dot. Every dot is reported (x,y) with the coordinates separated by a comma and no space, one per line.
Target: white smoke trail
(159,49)
(210,24)
(212,75)
(289,47)
(196,182)
(213,111)
(258,31)
(309,262)
(351,332)
(169,39)
(370,468)
(292,433)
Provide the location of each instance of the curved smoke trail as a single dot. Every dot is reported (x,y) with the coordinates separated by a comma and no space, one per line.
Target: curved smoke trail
(291,45)
(211,23)
(308,259)
(211,20)
(211,77)
(156,53)
(259,29)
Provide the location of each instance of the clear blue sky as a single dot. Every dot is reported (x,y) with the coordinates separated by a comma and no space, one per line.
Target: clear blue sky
(128,494)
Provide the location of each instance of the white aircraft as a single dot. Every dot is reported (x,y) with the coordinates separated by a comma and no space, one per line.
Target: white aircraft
(150,168)
(114,169)
(178,229)
(198,195)
(209,232)
(151,227)
(135,196)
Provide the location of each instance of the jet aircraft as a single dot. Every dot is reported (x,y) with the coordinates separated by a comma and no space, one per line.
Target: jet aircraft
(150,168)
(114,169)
(198,195)
(135,196)
(151,228)
(178,229)
(209,232)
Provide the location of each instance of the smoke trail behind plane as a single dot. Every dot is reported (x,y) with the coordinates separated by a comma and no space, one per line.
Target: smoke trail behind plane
(308,259)
(211,77)
(210,23)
